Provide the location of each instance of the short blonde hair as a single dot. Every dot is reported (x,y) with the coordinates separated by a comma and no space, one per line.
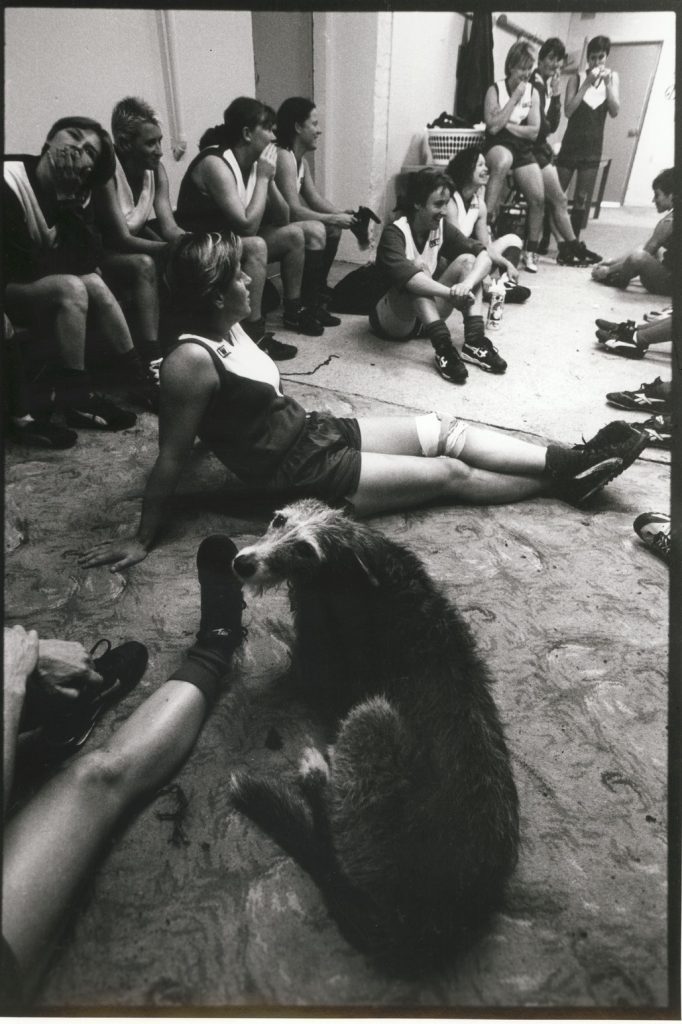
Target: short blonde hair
(199,265)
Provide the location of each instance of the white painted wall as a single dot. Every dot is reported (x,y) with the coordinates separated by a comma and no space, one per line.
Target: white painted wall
(656,148)
(83,60)
(542,24)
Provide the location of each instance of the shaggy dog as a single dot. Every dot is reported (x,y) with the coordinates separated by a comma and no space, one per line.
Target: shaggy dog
(411,827)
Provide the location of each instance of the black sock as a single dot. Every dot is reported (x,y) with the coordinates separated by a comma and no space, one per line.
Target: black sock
(204,666)
(439,335)
(149,349)
(131,365)
(71,386)
(292,306)
(531,246)
(329,256)
(577,220)
(473,330)
(313,276)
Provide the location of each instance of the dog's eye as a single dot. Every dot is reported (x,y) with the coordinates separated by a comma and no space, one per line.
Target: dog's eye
(278,520)
(304,549)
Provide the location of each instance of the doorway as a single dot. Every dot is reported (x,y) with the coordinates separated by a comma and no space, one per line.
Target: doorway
(283,56)
(636,64)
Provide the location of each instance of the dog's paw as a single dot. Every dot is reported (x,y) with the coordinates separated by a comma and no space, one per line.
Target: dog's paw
(312,762)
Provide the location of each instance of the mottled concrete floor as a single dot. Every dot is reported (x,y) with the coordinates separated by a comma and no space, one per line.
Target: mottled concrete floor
(568,608)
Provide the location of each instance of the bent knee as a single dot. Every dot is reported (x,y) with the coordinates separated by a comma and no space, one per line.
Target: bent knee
(254,250)
(99,771)
(315,234)
(144,266)
(69,290)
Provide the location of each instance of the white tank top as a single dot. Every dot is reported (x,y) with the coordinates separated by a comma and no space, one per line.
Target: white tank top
(244,190)
(522,108)
(466,219)
(595,95)
(136,213)
(429,257)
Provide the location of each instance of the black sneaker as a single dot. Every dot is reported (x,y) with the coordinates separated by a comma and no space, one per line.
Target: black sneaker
(612,329)
(484,355)
(657,431)
(617,438)
(360,227)
(450,366)
(220,624)
(325,317)
(653,529)
(585,468)
(515,292)
(649,397)
(591,258)
(570,255)
(304,321)
(40,433)
(277,350)
(99,413)
(121,669)
(621,347)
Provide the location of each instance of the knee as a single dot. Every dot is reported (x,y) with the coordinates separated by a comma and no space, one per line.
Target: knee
(454,472)
(294,238)
(144,268)
(464,263)
(333,232)
(99,773)
(316,235)
(254,252)
(70,291)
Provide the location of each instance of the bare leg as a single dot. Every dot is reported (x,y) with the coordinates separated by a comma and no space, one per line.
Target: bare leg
(55,840)
(499,161)
(314,234)
(287,245)
(584,188)
(255,264)
(655,333)
(389,482)
(136,272)
(556,198)
(529,180)
(108,314)
(58,303)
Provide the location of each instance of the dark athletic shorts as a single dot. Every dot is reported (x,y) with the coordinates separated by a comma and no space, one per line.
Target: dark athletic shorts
(544,154)
(520,149)
(325,461)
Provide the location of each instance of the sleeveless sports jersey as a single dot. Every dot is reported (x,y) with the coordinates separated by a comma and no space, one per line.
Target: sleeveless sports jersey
(300,170)
(249,424)
(466,218)
(584,135)
(245,189)
(429,257)
(550,108)
(136,213)
(519,114)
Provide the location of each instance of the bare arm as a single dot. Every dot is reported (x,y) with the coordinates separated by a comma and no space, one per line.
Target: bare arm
(496,117)
(188,382)
(661,236)
(218,180)
(277,209)
(114,227)
(530,129)
(612,84)
(163,209)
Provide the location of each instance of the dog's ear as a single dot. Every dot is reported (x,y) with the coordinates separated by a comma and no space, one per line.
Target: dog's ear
(374,582)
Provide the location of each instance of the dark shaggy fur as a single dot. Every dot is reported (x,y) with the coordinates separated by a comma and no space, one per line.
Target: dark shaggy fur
(411,829)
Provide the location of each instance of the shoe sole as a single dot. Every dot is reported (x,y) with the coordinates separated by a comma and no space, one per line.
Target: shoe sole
(214,553)
(625,353)
(484,366)
(620,464)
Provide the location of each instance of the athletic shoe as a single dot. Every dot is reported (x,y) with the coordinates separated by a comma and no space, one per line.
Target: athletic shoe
(610,329)
(627,349)
(121,669)
(325,317)
(653,529)
(99,413)
(514,292)
(484,355)
(657,431)
(277,350)
(586,468)
(220,624)
(450,366)
(304,321)
(589,257)
(571,255)
(40,433)
(154,368)
(650,397)
(655,315)
(529,261)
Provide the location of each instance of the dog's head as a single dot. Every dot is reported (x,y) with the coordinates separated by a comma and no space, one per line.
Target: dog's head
(301,539)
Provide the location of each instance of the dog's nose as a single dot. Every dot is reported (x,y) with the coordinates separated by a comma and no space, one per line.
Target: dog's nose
(244,566)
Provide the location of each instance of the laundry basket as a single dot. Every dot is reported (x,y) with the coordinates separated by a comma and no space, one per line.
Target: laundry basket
(444,143)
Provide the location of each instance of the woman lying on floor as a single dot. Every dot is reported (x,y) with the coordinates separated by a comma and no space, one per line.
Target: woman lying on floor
(218,385)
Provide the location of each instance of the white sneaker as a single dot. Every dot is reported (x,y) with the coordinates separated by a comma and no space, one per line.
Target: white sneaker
(529,260)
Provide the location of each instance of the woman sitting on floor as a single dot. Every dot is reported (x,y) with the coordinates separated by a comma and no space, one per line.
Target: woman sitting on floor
(298,130)
(467,211)
(51,259)
(512,117)
(218,385)
(430,268)
(135,196)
